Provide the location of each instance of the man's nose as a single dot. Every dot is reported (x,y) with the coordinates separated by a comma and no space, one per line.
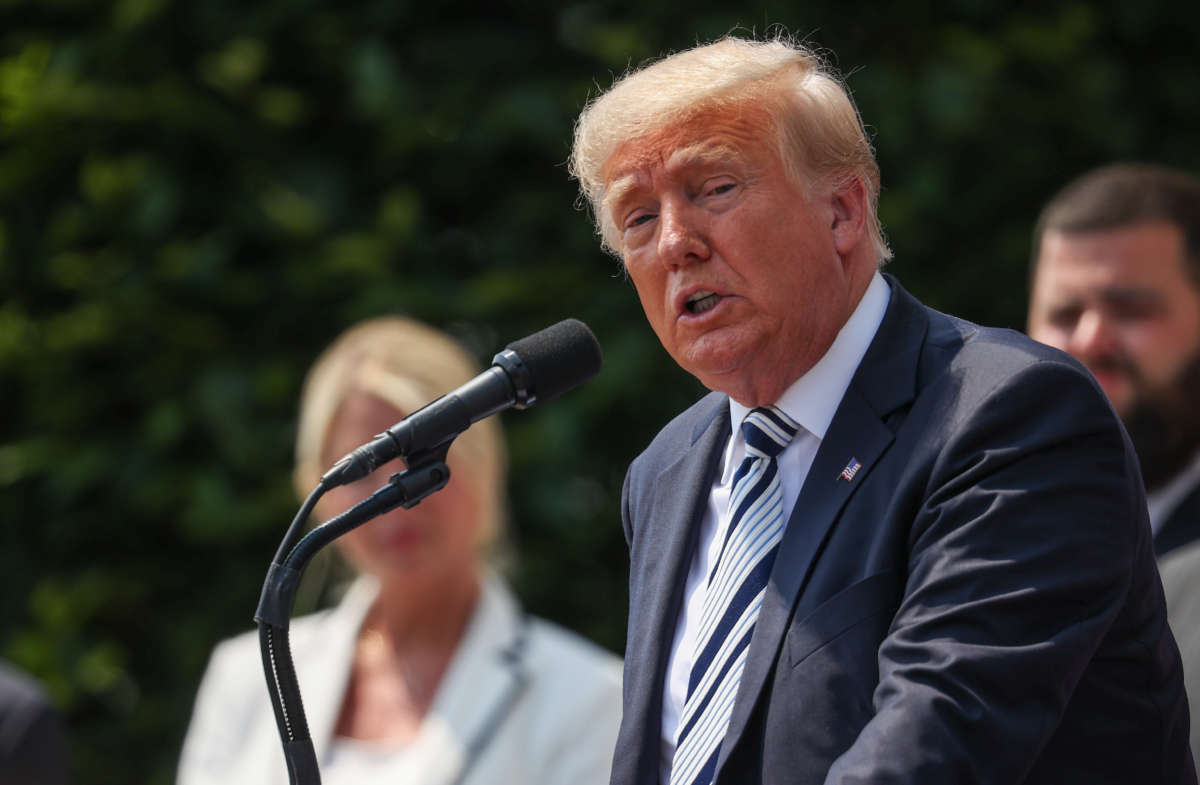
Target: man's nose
(1094,336)
(681,239)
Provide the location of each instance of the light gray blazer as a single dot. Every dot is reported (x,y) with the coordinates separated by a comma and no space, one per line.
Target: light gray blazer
(522,701)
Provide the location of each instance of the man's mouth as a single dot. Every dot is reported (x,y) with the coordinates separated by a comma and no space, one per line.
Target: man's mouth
(702,301)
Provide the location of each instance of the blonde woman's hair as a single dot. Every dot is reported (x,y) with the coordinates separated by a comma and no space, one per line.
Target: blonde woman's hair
(405,364)
(819,134)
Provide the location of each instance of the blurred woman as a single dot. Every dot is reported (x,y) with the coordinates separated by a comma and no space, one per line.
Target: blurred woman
(427,671)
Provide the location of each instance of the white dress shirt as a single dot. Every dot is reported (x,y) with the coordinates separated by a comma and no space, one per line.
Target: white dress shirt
(811,401)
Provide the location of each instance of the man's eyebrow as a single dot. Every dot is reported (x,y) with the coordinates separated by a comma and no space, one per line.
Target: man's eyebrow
(704,154)
(1113,295)
(618,190)
(1127,295)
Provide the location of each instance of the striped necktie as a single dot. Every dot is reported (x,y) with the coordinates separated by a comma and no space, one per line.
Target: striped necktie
(733,597)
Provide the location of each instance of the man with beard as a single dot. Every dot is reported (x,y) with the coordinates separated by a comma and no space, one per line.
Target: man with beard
(1116,282)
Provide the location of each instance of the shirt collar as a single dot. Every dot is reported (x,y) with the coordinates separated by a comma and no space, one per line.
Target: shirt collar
(813,399)
(1163,501)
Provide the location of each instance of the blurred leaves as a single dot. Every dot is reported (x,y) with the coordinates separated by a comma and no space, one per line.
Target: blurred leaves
(196,197)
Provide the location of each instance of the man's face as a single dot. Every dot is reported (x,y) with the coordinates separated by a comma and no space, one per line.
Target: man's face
(739,271)
(1122,302)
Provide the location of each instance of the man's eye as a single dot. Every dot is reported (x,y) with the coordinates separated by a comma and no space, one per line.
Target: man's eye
(638,220)
(717,186)
(1064,317)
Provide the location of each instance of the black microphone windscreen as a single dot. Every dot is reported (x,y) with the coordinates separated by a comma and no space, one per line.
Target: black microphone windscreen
(559,358)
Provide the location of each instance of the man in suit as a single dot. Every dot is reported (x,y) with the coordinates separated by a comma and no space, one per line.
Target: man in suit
(890,546)
(1116,283)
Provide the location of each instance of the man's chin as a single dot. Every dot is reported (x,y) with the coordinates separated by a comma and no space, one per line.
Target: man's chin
(1164,426)
(718,379)
(714,355)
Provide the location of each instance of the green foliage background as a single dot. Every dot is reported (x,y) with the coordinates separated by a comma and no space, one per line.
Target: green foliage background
(196,197)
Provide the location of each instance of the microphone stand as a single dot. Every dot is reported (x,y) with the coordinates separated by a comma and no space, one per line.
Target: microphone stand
(426,474)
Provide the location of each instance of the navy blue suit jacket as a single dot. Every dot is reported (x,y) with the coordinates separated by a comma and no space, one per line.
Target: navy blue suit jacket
(979,604)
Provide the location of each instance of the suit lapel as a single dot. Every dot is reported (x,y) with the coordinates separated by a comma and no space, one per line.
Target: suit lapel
(1182,526)
(884,381)
(486,676)
(670,537)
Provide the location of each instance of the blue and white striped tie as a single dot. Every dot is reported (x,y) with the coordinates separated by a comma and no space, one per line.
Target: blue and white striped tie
(733,597)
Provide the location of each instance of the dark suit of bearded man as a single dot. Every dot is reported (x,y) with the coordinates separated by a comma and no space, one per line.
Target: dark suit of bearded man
(959,581)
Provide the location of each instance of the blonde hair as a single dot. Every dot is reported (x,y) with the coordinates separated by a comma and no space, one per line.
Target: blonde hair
(405,364)
(818,131)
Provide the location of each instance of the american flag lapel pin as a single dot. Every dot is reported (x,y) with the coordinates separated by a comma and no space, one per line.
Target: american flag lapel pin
(850,470)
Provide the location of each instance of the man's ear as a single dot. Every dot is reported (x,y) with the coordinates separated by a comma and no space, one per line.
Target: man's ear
(850,210)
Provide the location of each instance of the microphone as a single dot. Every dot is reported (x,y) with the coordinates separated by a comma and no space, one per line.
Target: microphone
(532,370)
